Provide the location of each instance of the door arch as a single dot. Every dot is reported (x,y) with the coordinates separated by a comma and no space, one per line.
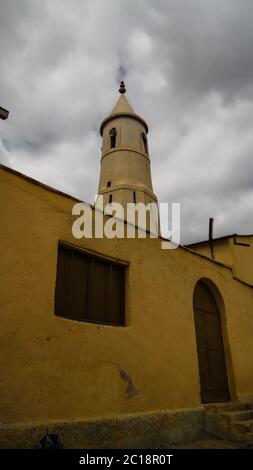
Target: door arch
(210,348)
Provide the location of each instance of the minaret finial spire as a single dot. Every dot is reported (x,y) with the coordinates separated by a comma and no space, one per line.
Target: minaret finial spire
(122,88)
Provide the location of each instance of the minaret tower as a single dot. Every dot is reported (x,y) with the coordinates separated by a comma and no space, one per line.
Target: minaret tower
(125,165)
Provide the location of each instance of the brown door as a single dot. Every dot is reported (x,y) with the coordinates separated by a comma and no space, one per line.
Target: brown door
(211,357)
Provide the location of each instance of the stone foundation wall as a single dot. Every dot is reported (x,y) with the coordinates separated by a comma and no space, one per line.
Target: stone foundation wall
(160,429)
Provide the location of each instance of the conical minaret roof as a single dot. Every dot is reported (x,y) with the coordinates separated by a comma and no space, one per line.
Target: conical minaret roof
(121,109)
(123,106)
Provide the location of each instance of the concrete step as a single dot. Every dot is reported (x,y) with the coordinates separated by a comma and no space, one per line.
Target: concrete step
(232,420)
(241,415)
(242,431)
(228,406)
(243,427)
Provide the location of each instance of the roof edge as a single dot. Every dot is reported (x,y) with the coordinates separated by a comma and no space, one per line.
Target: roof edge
(225,237)
(38,183)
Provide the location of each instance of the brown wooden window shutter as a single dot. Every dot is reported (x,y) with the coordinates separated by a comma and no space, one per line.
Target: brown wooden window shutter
(89,288)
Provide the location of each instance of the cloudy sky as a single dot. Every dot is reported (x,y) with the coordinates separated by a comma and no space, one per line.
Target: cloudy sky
(188,68)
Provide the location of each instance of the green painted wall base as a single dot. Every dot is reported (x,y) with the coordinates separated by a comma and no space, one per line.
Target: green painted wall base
(159,429)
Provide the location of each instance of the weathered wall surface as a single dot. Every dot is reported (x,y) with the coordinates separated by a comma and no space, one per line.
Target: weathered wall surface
(222,251)
(236,252)
(152,430)
(243,259)
(54,368)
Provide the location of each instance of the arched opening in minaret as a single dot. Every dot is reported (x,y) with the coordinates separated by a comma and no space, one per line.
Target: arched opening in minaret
(145,142)
(113,134)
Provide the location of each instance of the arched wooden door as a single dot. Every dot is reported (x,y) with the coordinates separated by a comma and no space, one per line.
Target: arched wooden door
(211,357)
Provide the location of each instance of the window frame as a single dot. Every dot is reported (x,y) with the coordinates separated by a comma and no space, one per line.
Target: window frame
(113,137)
(103,259)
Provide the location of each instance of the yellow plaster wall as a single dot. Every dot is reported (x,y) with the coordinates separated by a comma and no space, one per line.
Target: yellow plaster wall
(243,259)
(53,368)
(222,251)
(237,253)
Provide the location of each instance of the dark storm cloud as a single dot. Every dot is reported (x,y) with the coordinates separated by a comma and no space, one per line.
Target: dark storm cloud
(211,45)
(188,69)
